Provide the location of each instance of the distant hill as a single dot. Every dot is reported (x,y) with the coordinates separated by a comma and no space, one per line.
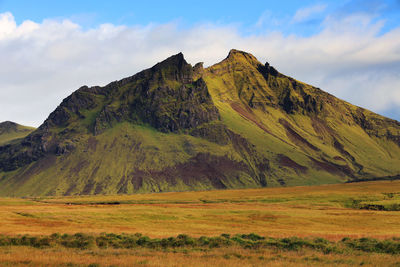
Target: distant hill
(10,131)
(175,127)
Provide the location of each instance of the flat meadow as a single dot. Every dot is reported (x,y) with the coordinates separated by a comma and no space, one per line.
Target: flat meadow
(340,224)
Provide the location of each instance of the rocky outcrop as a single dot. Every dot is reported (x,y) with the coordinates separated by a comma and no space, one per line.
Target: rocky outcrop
(171,110)
(29,149)
(373,125)
(166,97)
(82,99)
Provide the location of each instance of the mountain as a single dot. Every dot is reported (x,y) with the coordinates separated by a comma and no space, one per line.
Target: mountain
(174,127)
(10,131)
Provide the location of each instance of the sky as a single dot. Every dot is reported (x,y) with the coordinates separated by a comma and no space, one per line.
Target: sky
(48,49)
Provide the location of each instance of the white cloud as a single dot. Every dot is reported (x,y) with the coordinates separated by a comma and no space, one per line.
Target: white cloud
(267,19)
(305,13)
(42,63)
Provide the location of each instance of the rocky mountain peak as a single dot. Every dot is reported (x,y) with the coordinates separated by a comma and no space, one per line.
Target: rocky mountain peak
(235,52)
(173,68)
(177,60)
(238,56)
(174,97)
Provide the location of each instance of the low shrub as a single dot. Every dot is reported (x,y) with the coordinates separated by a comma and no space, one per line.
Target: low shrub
(249,241)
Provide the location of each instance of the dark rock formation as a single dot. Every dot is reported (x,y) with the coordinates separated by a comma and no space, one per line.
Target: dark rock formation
(170,110)
(166,96)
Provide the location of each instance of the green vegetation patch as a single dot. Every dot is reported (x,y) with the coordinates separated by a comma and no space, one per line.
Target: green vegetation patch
(248,241)
(384,202)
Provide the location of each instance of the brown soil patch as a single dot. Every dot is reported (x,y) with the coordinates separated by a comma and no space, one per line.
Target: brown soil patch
(320,127)
(70,190)
(203,168)
(295,137)
(333,168)
(248,114)
(288,162)
(339,158)
(36,168)
(339,147)
(78,167)
(88,187)
(92,143)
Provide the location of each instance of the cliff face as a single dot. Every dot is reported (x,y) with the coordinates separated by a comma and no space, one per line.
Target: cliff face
(164,97)
(236,124)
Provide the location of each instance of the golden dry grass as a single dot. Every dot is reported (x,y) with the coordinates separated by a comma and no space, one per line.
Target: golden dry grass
(315,211)
(216,257)
(277,212)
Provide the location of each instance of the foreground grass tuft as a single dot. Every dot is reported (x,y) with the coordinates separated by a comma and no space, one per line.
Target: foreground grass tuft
(247,241)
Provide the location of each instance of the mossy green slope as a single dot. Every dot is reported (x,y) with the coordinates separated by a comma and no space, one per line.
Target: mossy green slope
(10,131)
(310,127)
(175,127)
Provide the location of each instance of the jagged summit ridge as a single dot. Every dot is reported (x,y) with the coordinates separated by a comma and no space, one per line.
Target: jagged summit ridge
(165,97)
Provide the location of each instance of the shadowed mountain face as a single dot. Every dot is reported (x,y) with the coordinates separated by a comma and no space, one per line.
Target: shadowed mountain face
(175,127)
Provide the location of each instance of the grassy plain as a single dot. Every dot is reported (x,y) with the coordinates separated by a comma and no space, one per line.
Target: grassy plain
(25,256)
(332,212)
